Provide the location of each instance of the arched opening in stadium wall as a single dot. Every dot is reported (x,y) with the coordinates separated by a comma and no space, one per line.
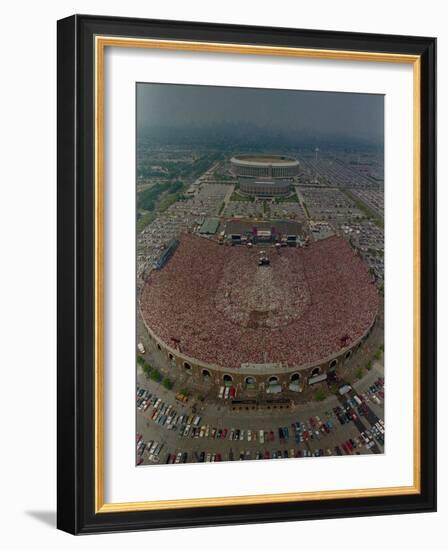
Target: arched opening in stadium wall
(294,382)
(250,382)
(206,376)
(333,364)
(273,385)
(187,367)
(227,379)
(317,376)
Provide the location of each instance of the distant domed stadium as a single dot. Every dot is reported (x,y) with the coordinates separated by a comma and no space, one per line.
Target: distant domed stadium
(264,166)
(223,317)
(264,176)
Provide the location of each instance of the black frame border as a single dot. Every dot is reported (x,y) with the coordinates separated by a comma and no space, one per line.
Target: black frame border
(75,272)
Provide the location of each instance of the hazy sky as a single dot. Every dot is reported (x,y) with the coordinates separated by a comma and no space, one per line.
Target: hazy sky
(356,116)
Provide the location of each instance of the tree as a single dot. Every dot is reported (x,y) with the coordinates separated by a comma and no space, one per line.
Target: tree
(167,383)
(320,395)
(359,373)
(146,368)
(156,376)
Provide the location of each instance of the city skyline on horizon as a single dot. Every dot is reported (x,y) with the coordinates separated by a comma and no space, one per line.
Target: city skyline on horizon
(309,114)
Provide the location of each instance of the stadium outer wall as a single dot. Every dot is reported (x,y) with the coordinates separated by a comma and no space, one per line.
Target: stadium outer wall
(264,166)
(261,375)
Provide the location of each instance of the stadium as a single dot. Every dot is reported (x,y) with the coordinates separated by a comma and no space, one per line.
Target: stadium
(265,188)
(264,166)
(224,318)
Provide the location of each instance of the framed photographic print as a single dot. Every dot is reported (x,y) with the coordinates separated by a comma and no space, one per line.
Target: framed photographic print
(246,274)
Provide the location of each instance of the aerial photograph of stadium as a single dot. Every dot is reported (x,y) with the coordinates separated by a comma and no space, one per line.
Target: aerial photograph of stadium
(259,274)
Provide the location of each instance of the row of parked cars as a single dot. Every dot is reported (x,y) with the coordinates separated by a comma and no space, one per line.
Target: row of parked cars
(188,425)
(163,413)
(349,447)
(352,409)
(349,412)
(313,428)
(177,458)
(152,448)
(352,446)
(375,392)
(376,431)
(231,434)
(356,406)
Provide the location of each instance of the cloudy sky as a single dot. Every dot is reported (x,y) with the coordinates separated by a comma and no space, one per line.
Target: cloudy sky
(355,116)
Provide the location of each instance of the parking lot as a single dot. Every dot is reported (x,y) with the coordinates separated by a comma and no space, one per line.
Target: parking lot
(170,431)
(329,204)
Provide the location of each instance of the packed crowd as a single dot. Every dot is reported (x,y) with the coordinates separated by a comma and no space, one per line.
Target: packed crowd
(271,297)
(180,303)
